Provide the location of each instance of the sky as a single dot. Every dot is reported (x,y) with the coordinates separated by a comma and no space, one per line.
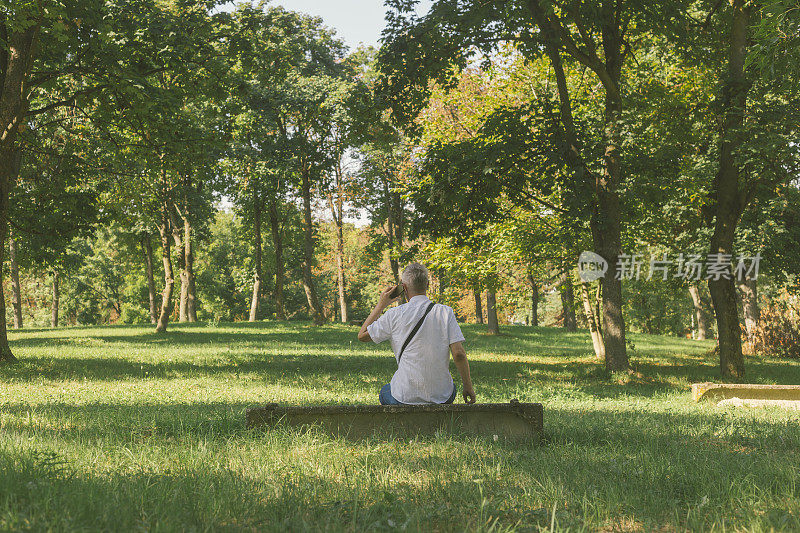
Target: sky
(355,21)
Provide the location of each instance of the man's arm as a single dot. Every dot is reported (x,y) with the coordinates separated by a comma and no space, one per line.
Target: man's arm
(460,359)
(384,301)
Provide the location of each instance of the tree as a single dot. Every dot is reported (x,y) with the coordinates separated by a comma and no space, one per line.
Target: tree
(701,314)
(418,50)
(55,200)
(16,298)
(147,249)
(305,124)
(489,159)
(385,168)
(348,104)
(266,46)
(164,135)
(474,263)
(756,111)
(57,55)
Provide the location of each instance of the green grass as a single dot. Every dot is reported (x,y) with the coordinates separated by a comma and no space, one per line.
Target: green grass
(115,428)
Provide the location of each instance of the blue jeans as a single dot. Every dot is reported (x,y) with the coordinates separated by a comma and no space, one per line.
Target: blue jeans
(386,398)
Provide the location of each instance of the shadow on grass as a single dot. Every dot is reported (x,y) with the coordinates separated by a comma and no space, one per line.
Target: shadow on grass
(494,378)
(173,338)
(516,339)
(184,498)
(688,469)
(270,367)
(551,358)
(536,341)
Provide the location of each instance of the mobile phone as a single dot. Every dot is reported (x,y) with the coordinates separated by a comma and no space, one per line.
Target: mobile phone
(397,291)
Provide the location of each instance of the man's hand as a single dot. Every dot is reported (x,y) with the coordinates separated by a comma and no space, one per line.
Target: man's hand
(460,359)
(385,299)
(469,395)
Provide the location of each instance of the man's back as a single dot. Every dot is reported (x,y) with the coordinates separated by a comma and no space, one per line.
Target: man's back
(423,374)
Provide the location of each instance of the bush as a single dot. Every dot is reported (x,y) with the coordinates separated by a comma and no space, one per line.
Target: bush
(778,329)
(135,314)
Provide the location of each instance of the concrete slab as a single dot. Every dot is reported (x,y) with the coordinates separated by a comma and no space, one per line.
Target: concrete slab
(721,391)
(514,420)
(742,402)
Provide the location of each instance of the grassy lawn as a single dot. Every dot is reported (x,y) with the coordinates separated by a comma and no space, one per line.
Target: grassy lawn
(115,428)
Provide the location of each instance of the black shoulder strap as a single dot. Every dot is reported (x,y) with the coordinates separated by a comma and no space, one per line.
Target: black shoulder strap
(414,332)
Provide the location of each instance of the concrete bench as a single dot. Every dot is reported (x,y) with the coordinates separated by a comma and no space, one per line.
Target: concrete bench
(723,391)
(783,404)
(514,420)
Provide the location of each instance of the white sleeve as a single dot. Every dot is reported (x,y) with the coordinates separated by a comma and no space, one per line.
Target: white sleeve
(453,331)
(381,329)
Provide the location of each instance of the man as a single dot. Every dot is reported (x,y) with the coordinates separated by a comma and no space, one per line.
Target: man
(423,374)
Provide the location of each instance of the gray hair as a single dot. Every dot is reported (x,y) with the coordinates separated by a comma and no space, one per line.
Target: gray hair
(415,276)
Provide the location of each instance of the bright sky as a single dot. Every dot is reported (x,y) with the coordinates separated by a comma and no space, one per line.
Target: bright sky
(355,21)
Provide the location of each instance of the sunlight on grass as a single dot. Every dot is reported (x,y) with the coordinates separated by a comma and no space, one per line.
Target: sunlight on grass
(118,428)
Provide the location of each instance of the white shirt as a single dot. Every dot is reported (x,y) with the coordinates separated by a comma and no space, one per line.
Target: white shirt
(423,374)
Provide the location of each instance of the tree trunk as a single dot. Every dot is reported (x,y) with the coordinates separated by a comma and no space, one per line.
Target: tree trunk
(336,206)
(308,254)
(169,276)
(18,51)
(398,234)
(147,247)
(748,288)
(340,273)
(394,263)
(491,313)
(183,297)
(728,201)
(606,220)
(188,262)
(592,319)
(56,300)
(608,234)
(568,302)
(606,230)
(277,241)
(598,301)
(183,300)
(723,294)
(395,266)
(255,302)
(700,312)
(16,294)
(5,183)
(441,275)
(187,309)
(478,306)
(534,300)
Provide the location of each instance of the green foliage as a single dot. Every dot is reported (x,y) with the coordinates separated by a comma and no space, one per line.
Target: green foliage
(55,200)
(646,311)
(364,276)
(225,271)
